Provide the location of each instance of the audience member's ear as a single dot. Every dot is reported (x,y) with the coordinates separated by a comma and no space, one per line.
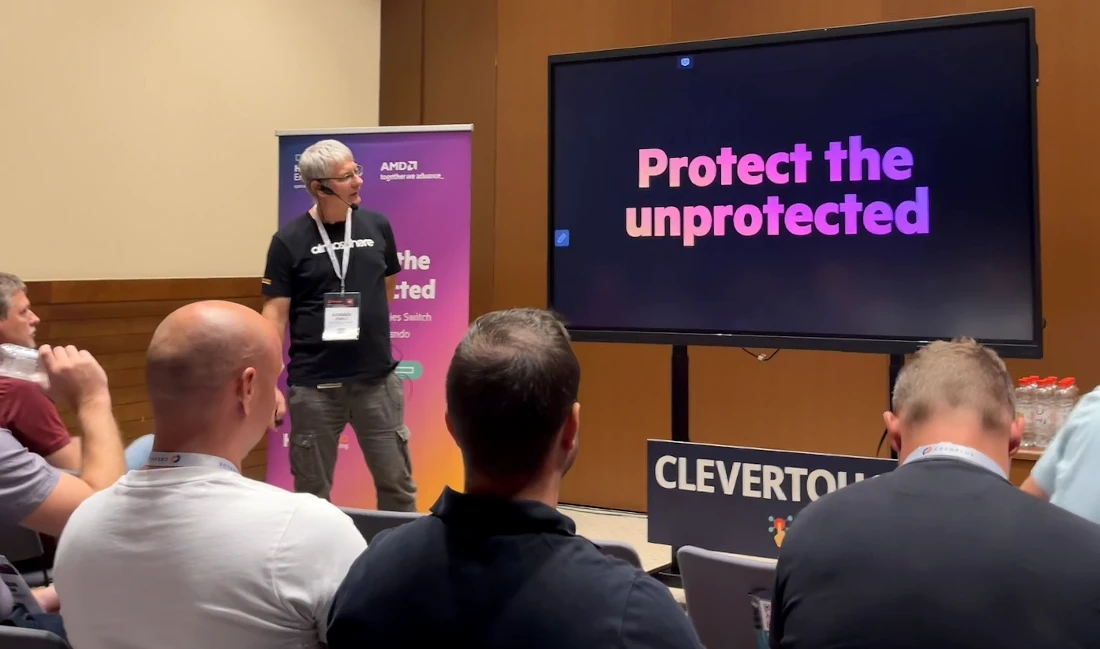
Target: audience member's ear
(1015,435)
(571,430)
(893,430)
(450,425)
(246,390)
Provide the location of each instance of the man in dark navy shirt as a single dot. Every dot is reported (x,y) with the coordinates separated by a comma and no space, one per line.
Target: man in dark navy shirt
(330,275)
(943,552)
(498,566)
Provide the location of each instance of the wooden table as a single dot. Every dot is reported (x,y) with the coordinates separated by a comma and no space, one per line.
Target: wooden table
(1022,463)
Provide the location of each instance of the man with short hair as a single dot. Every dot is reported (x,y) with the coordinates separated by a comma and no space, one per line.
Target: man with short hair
(943,551)
(330,275)
(188,552)
(497,566)
(25,409)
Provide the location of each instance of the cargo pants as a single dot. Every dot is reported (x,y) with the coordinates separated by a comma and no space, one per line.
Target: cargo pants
(376,412)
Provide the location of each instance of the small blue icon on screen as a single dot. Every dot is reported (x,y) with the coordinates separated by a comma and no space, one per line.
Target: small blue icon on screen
(561,238)
(685,62)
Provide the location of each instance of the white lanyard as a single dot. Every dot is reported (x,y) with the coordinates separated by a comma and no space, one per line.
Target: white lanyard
(341,272)
(958,452)
(190,459)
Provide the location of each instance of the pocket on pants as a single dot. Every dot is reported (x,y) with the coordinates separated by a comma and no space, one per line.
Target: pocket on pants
(395,390)
(304,462)
(304,442)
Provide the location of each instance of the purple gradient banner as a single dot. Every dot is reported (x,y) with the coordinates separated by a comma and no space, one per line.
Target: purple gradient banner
(419,177)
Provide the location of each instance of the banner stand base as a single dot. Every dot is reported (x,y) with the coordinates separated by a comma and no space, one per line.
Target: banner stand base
(669,574)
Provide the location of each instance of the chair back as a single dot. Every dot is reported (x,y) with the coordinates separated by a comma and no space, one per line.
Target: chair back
(7,602)
(370,522)
(717,588)
(19,543)
(12,637)
(13,589)
(620,550)
(15,586)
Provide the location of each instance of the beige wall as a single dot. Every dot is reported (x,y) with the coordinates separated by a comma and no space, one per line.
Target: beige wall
(137,136)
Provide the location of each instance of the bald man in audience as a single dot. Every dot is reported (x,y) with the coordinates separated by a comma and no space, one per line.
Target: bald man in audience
(187,552)
(943,552)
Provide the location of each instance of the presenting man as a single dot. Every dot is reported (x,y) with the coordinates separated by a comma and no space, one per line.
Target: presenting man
(330,274)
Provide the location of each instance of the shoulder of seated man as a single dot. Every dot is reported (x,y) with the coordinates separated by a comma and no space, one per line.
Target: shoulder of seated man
(393,538)
(24,390)
(308,512)
(1075,531)
(1090,400)
(854,500)
(1086,414)
(864,491)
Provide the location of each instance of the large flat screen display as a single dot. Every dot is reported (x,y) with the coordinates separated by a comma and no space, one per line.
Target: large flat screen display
(859,189)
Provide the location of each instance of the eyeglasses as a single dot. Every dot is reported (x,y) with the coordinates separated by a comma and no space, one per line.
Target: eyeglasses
(358,171)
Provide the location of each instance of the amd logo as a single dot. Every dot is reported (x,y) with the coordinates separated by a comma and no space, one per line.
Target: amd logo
(409,165)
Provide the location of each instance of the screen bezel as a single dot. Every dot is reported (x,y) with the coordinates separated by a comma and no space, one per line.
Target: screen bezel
(866,344)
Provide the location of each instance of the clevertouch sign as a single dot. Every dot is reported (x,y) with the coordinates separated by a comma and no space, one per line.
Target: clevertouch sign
(737,499)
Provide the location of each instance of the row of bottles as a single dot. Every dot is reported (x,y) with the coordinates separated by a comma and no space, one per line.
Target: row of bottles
(1045,404)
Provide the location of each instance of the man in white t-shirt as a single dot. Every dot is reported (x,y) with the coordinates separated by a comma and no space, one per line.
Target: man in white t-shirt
(186,552)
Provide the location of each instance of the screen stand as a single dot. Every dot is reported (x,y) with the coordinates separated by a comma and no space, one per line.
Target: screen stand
(896,362)
(669,574)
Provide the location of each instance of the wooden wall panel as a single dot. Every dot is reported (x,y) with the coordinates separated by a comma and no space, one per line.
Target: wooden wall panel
(529,32)
(840,396)
(694,20)
(402,63)
(115,320)
(439,67)
(800,400)
(460,49)
(623,388)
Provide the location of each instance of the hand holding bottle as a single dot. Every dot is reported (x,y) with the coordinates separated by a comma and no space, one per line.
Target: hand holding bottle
(75,377)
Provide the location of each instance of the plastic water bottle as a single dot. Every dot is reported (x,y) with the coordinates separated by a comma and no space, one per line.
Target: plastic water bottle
(1065,398)
(1025,405)
(1044,410)
(21,363)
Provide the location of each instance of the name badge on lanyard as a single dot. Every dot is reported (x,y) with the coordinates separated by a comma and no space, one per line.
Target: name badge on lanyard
(189,459)
(955,452)
(341,316)
(341,309)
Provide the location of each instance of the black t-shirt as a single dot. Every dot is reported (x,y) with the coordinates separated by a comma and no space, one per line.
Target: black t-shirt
(496,574)
(299,267)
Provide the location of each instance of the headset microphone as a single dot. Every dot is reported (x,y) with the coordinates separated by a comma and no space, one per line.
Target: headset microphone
(328,192)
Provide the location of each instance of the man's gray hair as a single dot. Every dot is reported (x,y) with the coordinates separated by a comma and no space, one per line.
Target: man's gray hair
(9,286)
(956,374)
(318,160)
